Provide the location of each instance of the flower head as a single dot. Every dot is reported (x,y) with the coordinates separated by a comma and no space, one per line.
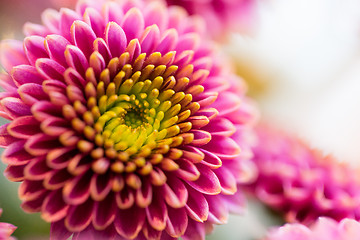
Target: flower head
(6,229)
(301,182)
(124,122)
(323,228)
(221,16)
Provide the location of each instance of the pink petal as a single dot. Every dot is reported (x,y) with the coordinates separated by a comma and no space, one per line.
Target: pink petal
(168,41)
(150,39)
(227,103)
(133,23)
(223,147)
(112,12)
(187,170)
(201,137)
(31,29)
(125,199)
(59,158)
(175,192)
(31,93)
(34,48)
(207,183)
(97,62)
(55,46)
(15,154)
(194,231)
(55,126)
(76,59)
(36,169)
(54,208)
(155,13)
(101,46)
(5,137)
(56,179)
(51,19)
(221,127)
(95,20)
(12,54)
(115,38)
(40,144)
(236,202)
(58,231)
(50,69)
(211,160)
(144,195)
(73,78)
(44,109)
(77,190)
(100,186)
(15,107)
(177,222)
(15,173)
(79,216)
(104,212)
(227,180)
(33,206)
(197,206)
(189,41)
(129,229)
(156,213)
(23,127)
(218,212)
(83,36)
(67,18)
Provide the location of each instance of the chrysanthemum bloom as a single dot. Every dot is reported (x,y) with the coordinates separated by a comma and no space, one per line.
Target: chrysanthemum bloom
(301,182)
(222,16)
(323,228)
(124,122)
(6,229)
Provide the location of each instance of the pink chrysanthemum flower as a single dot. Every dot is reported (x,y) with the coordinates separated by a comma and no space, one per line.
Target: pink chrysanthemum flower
(6,229)
(323,228)
(124,122)
(221,16)
(301,182)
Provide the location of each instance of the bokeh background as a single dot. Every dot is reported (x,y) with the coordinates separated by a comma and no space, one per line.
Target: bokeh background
(302,65)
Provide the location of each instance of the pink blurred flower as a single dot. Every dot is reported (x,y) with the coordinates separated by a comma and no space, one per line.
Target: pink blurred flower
(323,228)
(301,182)
(221,16)
(124,122)
(6,229)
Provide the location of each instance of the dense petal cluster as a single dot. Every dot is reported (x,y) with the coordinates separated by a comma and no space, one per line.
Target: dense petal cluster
(6,229)
(301,182)
(221,16)
(323,228)
(123,122)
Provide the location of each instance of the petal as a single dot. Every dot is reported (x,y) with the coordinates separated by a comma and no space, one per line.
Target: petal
(77,190)
(36,169)
(95,20)
(58,231)
(218,212)
(150,39)
(54,208)
(33,206)
(23,127)
(177,222)
(55,46)
(15,154)
(51,19)
(221,127)
(43,110)
(223,147)
(112,12)
(227,180)
(156,213)
(129,229)
(79,216)
(101,46)
(207,183)
(5,137)
(187,170)
(201,137)
(31,29)
(168,41)
(133,23)
(76,59)
(34,48)
(125,199)
(40,144)
(56,179)
(175,192)
(144,195)
(15,173)
(67,17)
(12,54)
(15,107)
(50,69)
(83,37)
(197,207)
(104,212)
(100,186)
(155,13)
(211,160)
(115,38)
(23,74)
(31,93)
(194,231)
(73,78)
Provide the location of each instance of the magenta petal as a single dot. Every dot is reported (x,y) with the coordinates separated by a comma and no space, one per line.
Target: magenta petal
(58,231)
(156,213)
(31,29)
(50,69)
(201,137)
(44,109)
(156,14)
(227,180)
(129,229)
(5,137)
(197,207)
(218,212)
(150,233)
(115,38)
(168,41)
(73,78)
(100,186)
(83,36)
(150,39)
(15,107)
(124,199)
(144,195)
(97,62)
(54,86)
(67,17)
(101,46)
(23,74)
(40,144)
(31,93)
(15,173)
(76,59)
(95,20)
(104,212)
(55,126)
(77,190)
(177,222)
(207,183)
(56,179)
(112,12)
(187,170)
(54,208)
(12,54)
(32,206)
(15,154)
(51,19)
(189,41)
(79,216)
(175,192)
(221,127)
(236,202)
(55,46)
(34,48)
(23,127)
(133,24)
(36,169)
(211,160)
(7,82)
(194,231)
(223,147)
(227,103)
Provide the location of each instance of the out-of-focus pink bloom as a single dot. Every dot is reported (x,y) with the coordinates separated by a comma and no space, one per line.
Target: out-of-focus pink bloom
(124,122)
(222,16)
(6,229)
(301,182)
(323,228)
